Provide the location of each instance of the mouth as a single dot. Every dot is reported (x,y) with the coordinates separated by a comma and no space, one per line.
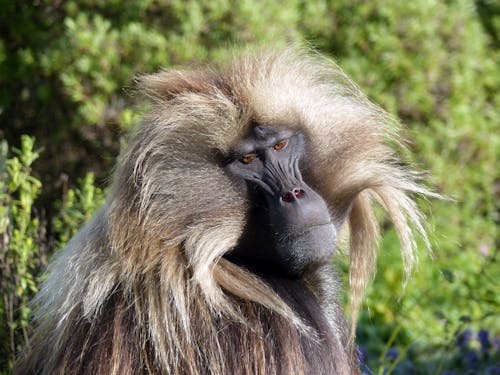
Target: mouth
(310,248)
(294,232)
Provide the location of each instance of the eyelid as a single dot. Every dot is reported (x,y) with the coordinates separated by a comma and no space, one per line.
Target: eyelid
(248,158)
(280,145)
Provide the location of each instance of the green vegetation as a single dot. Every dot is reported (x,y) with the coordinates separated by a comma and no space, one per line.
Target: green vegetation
(66,73)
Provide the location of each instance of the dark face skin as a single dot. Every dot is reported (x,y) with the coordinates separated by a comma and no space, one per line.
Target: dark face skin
(289,231)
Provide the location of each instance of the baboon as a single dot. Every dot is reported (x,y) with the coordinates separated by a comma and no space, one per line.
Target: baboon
(212,253)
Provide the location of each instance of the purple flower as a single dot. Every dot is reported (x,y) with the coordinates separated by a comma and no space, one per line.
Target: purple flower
(362,355)
(484,338)
(463,338)
(448,372)
(392,354)
(495,345)
(493,370)
(471,359)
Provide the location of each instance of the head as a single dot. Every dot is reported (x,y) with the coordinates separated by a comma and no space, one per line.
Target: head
(254,168)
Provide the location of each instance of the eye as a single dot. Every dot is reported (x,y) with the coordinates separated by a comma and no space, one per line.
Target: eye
(248,158)
(280,145)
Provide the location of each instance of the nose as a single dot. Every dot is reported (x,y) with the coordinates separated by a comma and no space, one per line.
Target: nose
(292,195)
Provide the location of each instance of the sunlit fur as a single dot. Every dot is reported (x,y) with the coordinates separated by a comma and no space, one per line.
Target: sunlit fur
(143,287)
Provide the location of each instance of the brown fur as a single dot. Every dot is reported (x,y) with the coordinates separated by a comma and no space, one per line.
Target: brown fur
(144,287)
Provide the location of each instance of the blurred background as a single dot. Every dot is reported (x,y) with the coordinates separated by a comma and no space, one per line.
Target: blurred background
(66,76)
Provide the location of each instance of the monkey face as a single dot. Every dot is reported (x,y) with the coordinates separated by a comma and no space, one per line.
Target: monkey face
(290,230)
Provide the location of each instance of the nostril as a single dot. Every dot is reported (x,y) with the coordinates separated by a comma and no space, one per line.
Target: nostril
(288,197)
(293,195)
(298,193)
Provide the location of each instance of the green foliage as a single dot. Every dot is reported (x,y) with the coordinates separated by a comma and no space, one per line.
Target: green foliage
(23,237)
(76,208)
(19,243)
(66,73)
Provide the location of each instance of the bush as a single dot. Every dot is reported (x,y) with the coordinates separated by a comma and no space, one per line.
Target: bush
(24,241)
(20,250)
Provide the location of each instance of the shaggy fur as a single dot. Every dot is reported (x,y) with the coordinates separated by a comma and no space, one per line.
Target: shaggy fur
(144,288)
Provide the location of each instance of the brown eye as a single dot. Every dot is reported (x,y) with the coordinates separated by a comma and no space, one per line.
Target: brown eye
(248,158)
(280,145)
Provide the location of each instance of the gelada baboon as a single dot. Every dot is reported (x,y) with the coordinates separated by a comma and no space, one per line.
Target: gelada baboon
(212,253)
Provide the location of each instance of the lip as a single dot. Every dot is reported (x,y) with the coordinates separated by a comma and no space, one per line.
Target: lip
(294,231)
(320,225)
(302,230)
(314,244)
